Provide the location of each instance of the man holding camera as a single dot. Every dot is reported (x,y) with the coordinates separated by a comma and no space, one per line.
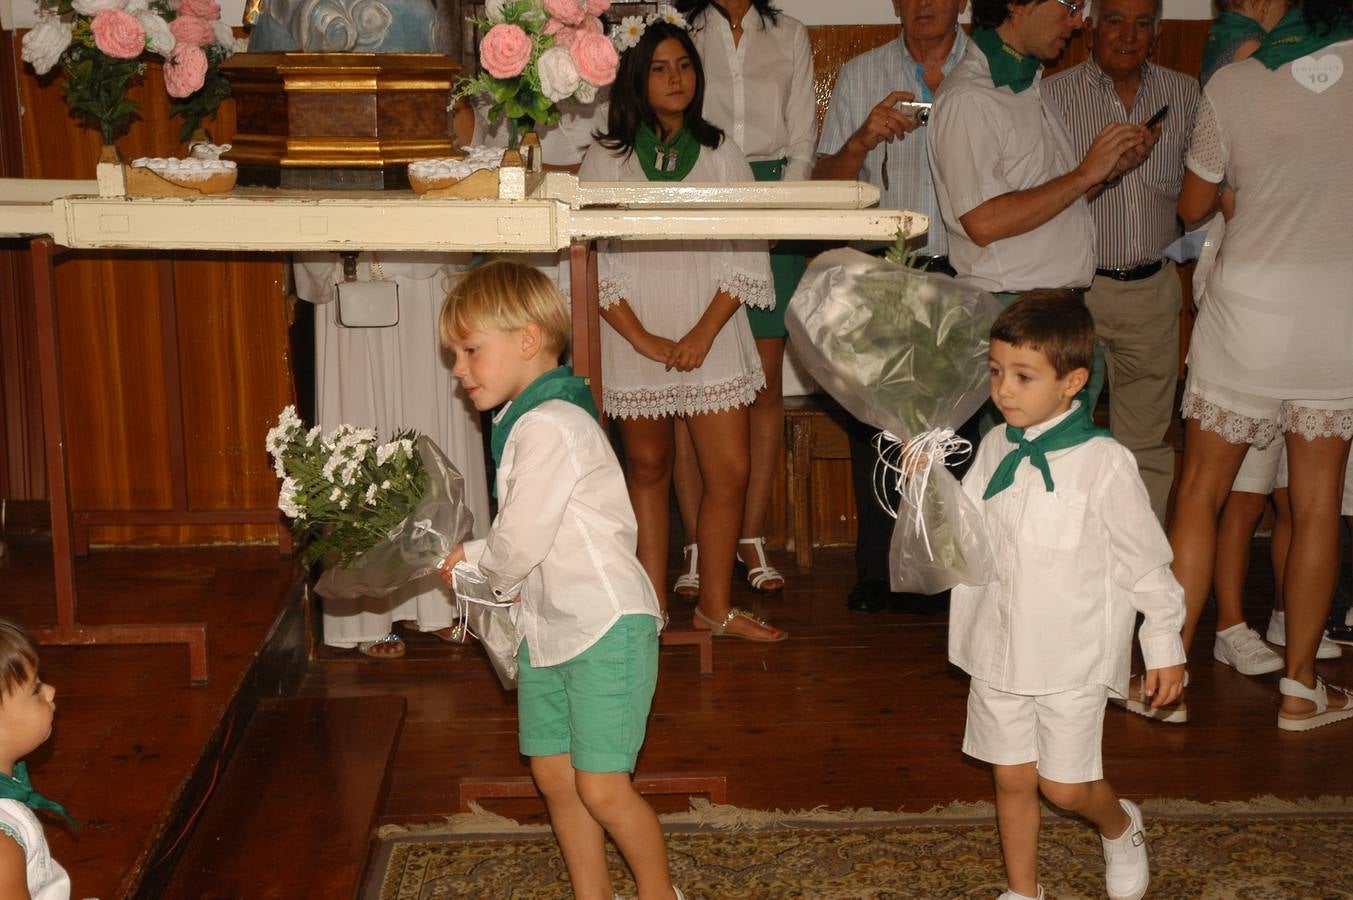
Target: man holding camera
(1136,294)
(868,137)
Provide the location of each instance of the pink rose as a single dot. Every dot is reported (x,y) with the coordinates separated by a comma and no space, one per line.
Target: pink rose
(184,70)
(505,51)
(569,12)
(193,30)
(563,35)
(118,34)
(592,24)
(597,7)
(596,58)
(203,9)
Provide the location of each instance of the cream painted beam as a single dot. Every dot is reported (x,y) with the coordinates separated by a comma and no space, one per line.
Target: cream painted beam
(709,195)
(746,224)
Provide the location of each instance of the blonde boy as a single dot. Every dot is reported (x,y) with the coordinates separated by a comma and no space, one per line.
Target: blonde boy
(1078,554)
(563,545)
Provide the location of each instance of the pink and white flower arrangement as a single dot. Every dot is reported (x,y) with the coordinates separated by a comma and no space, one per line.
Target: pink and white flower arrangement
(102,45)
(537,54)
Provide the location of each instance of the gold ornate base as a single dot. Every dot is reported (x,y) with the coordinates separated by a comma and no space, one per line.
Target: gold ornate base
(339,120)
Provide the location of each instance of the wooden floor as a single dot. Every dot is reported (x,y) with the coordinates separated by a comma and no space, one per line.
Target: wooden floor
(851,711)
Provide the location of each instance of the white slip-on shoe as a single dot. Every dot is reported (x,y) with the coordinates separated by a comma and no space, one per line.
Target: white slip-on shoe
(1323,714)
(1277,635)
(1127,873)
(1011,895)
(1241,647)
(1175,714)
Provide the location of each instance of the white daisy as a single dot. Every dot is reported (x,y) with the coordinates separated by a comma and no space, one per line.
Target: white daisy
(628,33)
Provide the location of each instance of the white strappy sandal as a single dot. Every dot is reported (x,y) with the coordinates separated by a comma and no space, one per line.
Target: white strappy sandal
(688,583)
(762,572)
(1319,695)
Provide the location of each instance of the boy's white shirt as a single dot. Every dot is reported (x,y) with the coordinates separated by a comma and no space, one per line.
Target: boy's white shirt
(565,535)
(1073,569)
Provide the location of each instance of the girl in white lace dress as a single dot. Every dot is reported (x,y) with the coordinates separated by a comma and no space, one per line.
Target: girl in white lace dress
(676,341)
(27,707)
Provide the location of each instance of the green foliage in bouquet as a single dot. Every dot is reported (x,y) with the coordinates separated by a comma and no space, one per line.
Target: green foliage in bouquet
(344,492)
(96,85)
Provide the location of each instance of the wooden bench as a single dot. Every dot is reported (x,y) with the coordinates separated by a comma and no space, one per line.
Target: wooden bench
(295,812)
(820,501)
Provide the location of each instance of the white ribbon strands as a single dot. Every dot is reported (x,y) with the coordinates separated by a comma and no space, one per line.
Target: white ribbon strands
(906,469)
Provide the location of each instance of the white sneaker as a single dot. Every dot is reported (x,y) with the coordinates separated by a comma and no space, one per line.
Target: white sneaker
(1241,647)
(1011,895)
(1126,870)
(1277,634)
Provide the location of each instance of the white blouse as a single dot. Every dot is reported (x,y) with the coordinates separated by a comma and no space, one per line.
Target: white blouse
(668,285)
(47,880)
(1073,568)
(565,535)
(760,91)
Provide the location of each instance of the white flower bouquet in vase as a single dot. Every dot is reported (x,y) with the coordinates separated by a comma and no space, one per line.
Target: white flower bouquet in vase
(376,515)
(905,351)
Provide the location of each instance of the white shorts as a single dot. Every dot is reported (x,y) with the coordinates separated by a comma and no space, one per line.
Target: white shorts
(1242,418)
(1263,471)
(1060,732)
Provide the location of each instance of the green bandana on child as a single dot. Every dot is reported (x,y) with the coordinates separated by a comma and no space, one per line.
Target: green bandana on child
(1076,428)
(671,160)
(1292,39)
(18,787)
(556,384)
(1009,67)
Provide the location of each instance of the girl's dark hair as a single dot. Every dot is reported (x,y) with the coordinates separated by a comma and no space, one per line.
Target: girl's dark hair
(693,8)
(629,93)
(18,656)
(1323,16)
(1056,323)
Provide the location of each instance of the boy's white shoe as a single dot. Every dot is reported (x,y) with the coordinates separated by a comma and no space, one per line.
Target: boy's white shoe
(1011,895)
(1241,647)
(1277,634)
(1126,870)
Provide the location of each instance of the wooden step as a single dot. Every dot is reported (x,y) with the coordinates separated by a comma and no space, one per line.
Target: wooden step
(294,813)
(472,790)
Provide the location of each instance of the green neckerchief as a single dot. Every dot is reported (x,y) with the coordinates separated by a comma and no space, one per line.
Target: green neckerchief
(556,384)
(1008,66)
(1076,428)
(18,787)
(1228,30)
(1291,39)
(666,161)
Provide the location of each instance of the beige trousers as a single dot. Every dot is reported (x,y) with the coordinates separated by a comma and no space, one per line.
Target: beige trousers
(1138,324)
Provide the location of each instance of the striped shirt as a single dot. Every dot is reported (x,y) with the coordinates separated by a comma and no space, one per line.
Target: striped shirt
(1135,220)
(863,82)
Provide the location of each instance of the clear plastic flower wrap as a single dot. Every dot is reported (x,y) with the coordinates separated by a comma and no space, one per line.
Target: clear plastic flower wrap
(906,352)
(438,521)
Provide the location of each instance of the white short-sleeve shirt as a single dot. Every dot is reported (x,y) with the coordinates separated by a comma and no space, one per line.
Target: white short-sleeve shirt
(47,880)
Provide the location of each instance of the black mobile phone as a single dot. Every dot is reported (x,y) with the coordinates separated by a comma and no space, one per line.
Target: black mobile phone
(1157,118)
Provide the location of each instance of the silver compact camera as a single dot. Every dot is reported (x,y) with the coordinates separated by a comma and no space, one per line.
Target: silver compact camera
(919,110)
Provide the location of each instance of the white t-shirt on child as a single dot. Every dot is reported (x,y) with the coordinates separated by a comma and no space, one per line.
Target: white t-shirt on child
(46,879)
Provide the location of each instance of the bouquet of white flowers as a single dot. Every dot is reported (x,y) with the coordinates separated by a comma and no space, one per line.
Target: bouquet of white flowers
(905,351)
(378,515)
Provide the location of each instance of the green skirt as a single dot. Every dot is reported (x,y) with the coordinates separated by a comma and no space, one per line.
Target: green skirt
(786,267)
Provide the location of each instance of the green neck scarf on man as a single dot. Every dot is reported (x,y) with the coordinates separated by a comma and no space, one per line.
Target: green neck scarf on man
(1009,67)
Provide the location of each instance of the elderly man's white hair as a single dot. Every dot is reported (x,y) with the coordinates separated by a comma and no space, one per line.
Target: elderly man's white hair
(1092,12)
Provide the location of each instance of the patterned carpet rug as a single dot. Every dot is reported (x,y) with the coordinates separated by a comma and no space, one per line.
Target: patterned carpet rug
(1305,852)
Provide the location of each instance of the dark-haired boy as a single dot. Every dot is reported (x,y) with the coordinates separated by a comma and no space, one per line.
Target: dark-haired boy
(1078,553)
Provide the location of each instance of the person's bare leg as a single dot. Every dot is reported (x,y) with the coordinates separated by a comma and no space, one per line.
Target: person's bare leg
(1235,533)
(613,802)
(1208,471)
(1280,543)
(648,475)
(1315,486)
(581,839)
(1093,800)
(767,441)
(1018,819)
(687,481)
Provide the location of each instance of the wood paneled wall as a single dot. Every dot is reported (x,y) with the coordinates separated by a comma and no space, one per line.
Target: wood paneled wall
(227,314)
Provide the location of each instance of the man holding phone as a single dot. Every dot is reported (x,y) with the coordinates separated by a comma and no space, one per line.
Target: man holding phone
(1136,294)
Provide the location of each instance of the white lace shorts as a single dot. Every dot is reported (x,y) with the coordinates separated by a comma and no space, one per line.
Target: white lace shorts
(1242,418)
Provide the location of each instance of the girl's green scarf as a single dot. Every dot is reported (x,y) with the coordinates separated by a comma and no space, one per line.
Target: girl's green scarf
(18,787)
(1228,30)
(1076,428)
(556,384)
(671,160)
(1292,39)
(1009,67)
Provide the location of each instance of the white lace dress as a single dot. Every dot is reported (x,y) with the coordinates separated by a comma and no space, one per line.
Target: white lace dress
(46,879)
(669,284)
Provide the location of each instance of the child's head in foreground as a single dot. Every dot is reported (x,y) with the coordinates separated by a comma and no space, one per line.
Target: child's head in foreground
(507,325)
(1042,347)
(26,704)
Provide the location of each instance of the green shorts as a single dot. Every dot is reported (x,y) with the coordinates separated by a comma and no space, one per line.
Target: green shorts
(787,266)
(593,707)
